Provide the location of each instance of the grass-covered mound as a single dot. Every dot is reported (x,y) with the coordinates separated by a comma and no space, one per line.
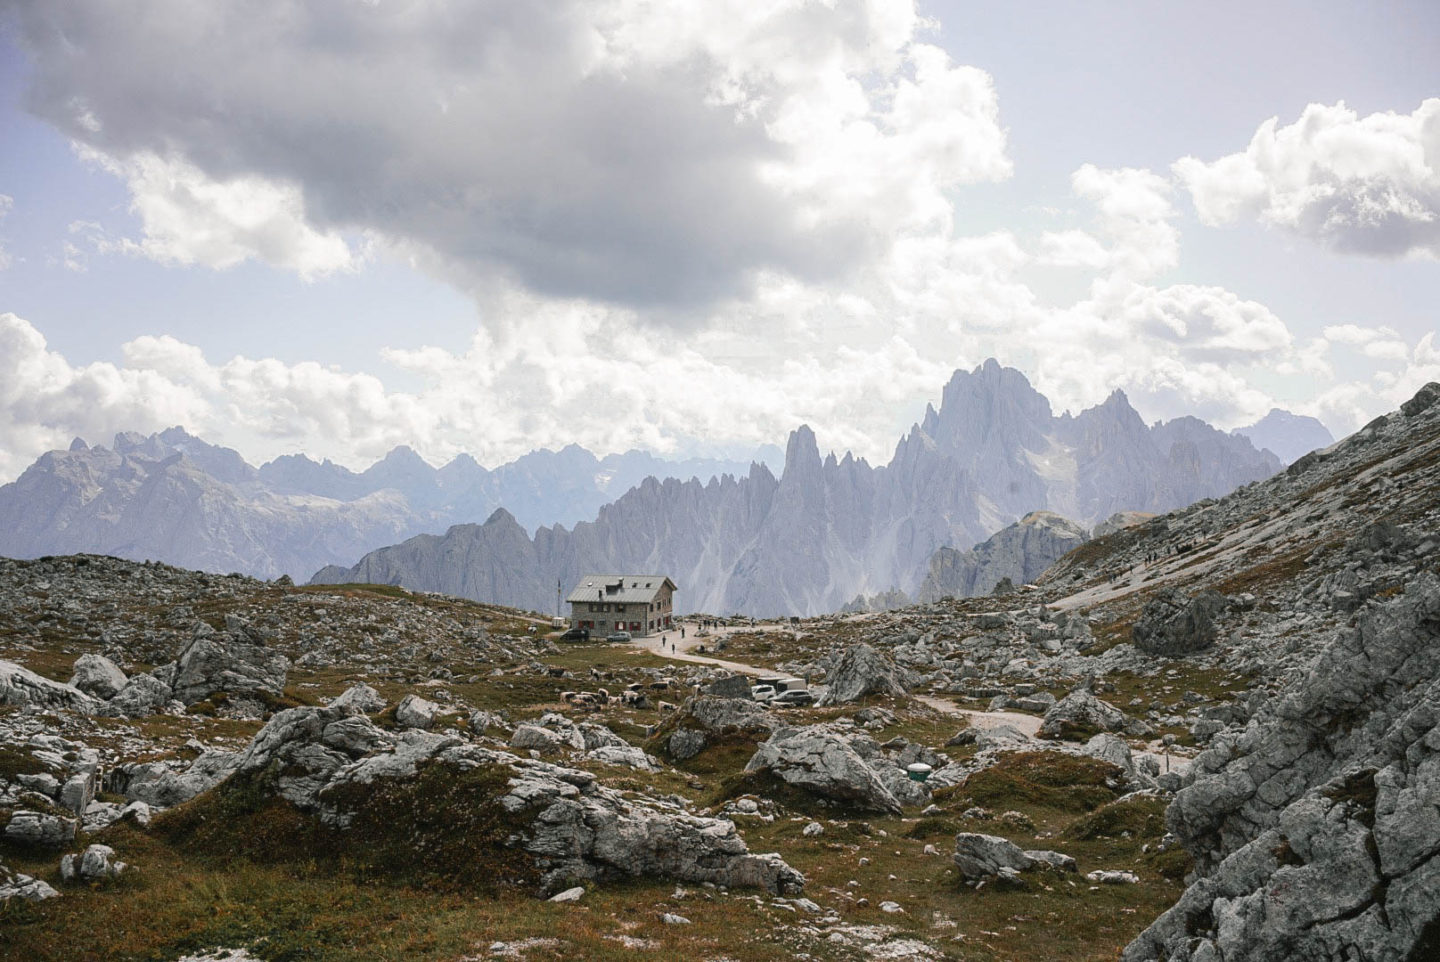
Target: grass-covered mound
(439,829)
(1049,780)
(766,784)
(1142,816)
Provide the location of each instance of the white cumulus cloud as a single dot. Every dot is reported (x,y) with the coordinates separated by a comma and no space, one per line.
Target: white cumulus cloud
(188,218)
(45,401)
(1365,185)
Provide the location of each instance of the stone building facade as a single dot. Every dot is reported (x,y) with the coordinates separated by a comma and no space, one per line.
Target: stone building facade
(639,604)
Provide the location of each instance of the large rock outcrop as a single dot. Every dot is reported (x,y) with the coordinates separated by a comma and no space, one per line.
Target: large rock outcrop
(1020,553)
(1081,715)
(707,719)
(142,695)
(20,686)
(981,857)
(822,762)
(1315,831)
(1173,624)
(228,662)
(162,784)
(329,761)
(98,676)
(863,671)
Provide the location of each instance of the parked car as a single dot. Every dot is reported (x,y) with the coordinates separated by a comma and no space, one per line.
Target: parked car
(576,634)
(762,692)
(795,697)
(618,636)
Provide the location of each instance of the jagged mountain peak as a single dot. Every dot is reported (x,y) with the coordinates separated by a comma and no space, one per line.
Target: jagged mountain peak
(403,455)
(802,453)
(992,406)
(177,436)
(1288,435)
(1116,406)
(501,518)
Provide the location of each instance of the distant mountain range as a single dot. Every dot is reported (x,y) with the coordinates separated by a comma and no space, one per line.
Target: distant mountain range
(1289,436)
(172,497)
(830,529)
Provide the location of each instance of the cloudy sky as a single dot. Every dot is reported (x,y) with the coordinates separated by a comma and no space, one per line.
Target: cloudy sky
(691,226)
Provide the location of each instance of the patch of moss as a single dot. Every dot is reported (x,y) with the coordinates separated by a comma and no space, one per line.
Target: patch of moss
(1075,732)
(933,827)
(767,784)
(14,762)
(440,829)
(1427,947)
(1050,780)
(1173,864)
(725,754)
(1142,817)
(1359,792)
(1285,855)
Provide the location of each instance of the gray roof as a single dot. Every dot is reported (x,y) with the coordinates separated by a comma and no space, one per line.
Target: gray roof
(625,589)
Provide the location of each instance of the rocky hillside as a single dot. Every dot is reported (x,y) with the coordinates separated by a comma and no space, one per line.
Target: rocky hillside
(1290,631)
(1209,735)
(1018,554)
(832,528)
(171,497)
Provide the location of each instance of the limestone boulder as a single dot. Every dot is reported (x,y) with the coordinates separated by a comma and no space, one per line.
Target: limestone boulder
(40,830)
(213,664)
(142,695)
(707,719)
(533,737)
(13,885)
(1080,712)
(823,763)
(97,863)
(360,700)
(864,671)
(1173,624)
(981,858)
(21,687)
(97,675)
(163,785)
(416,712)
(627,756)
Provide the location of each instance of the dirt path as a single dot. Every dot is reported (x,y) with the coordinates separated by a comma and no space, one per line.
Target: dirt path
(1029,725)
(684,650)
